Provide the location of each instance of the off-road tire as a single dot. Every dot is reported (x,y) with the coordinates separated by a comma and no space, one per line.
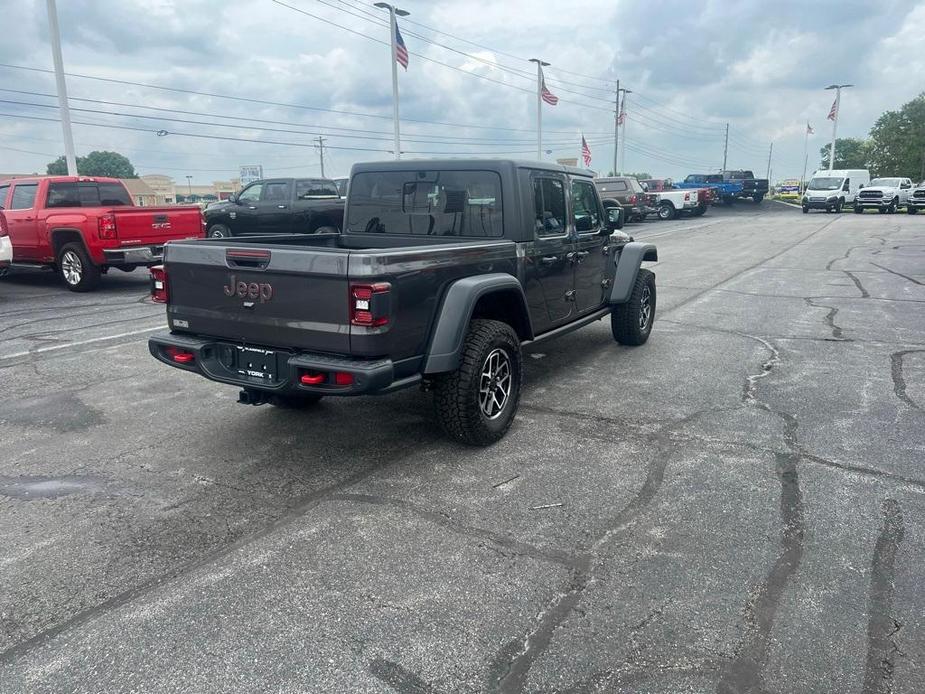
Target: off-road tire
(294,402)
(219,231)
(626,322)
(456,394)
(76,269)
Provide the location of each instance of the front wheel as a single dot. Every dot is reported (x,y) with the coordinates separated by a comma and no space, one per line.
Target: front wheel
(911,210)
(219,231)
(631,323)
(893,207)
(838,206)
(77,269)
(758,199)
(858,209)
(805,209)
(476,403)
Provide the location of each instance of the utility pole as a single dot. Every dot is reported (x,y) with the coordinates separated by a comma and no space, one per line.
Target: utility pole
(55,36)
(189,185)
(540,64)
(616,127)
(320,140)
(393,30)
(835,108)
(805,156)
(726,147)
(770,151)
(623,113)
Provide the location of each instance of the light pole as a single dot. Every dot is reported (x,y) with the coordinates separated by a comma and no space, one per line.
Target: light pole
(835,108)
(55,36)
(616,127)
(393,31)
(623,116)
(540,64)
(189,185)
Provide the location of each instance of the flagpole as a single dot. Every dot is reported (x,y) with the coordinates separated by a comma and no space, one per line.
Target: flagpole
(393,30)
(837,88)
(539,106)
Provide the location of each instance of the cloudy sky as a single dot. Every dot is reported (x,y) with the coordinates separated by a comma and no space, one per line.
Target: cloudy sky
(300,68)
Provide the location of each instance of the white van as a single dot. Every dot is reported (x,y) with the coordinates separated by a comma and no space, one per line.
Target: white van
(832,190)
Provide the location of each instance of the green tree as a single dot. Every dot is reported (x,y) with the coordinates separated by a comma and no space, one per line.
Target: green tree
(96,163)
(850,153)
(898,141)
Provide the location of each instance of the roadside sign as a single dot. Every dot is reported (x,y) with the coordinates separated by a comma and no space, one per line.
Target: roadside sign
(250,173)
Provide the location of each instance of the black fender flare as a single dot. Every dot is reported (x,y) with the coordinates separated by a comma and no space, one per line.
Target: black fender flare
(628,262)
(449,333)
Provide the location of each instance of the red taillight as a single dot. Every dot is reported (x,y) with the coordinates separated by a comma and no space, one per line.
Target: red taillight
(632,199)
(181,356)
(106,226)
(158,284)
(687,196)
(311,378)
(370,304)
(342,378)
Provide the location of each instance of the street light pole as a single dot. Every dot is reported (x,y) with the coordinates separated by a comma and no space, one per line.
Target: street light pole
(393,12)
(725,147)
(616,127)
(837,88)
(55,36)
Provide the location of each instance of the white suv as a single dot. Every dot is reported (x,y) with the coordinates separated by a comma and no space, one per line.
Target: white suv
(6,246)
(886,194)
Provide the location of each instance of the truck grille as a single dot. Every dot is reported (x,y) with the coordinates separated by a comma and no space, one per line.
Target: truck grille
(919,194)
(870,194)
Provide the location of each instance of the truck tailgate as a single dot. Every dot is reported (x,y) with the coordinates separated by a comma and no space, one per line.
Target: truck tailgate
(280,297)
(157,224)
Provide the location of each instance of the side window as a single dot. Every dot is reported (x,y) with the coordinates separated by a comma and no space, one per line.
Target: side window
(549,206)
(63,195)
(3,191)
(276,192)
(586,213)
(847,185)
(23,196)
(251,193)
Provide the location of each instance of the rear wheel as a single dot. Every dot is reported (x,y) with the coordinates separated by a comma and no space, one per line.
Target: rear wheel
(476,403)
(219,231)
(666,211)
(631,323)
(758,199)
(294,402)
(76,269)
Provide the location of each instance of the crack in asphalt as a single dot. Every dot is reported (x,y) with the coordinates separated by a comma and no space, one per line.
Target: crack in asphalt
(857,283)
(829,319)
(898,274)
(882,627)
(555,556)
(899,381)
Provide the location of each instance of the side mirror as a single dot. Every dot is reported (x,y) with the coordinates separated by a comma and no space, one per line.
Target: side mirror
(614,219)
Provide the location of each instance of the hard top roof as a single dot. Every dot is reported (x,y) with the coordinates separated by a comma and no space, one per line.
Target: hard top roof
(466,164)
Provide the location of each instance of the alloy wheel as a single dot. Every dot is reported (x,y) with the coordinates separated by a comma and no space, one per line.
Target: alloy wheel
(645,308)
(71,268)
(495,383)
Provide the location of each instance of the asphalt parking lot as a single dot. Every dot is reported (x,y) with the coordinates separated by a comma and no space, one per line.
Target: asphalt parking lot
(737,506)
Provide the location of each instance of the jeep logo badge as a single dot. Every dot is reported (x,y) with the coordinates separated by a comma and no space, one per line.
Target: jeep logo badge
(253,291)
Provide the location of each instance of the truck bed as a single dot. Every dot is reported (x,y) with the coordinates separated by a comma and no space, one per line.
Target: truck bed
(293,291)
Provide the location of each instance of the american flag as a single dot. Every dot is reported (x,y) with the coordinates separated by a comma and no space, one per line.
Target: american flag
(621,118)
(547,95)
(401,50)
(809,129)
(585,151)
(833,112)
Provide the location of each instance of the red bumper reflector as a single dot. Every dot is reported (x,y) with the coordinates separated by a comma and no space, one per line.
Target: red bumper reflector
(180,356)
(312,379)
(342,378)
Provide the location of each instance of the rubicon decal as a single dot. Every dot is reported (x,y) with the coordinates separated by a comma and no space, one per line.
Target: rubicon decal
(262,291)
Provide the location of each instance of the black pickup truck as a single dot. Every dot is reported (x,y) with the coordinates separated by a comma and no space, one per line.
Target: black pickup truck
(444,271)
(278,206)
(754,188)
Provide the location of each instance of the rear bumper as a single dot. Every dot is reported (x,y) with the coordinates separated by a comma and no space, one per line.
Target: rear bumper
(212,359)
(134,255)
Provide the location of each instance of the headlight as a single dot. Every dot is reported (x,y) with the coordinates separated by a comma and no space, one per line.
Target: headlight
(832,198)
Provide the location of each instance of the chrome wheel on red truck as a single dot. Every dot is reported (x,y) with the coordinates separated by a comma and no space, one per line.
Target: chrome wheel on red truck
(76,269)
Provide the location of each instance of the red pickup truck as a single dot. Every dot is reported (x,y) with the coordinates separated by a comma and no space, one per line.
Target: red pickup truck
(82,226)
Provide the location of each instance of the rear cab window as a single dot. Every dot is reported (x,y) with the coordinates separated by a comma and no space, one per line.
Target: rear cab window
(426,203)
(87,194)
(308,189)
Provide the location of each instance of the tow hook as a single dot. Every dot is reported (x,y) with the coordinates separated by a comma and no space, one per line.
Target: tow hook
(251,397)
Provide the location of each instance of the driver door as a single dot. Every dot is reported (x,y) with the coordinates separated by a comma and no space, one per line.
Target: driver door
(244,218)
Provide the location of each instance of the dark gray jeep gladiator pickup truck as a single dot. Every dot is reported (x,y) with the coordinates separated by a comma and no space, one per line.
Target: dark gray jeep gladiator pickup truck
(444,271)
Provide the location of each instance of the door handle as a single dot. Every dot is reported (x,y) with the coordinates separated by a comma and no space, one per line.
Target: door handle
(570,256)
(282,207)
(549,259)
(252,207)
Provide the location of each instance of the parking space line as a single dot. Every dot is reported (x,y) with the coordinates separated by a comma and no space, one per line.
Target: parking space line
(78,343)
